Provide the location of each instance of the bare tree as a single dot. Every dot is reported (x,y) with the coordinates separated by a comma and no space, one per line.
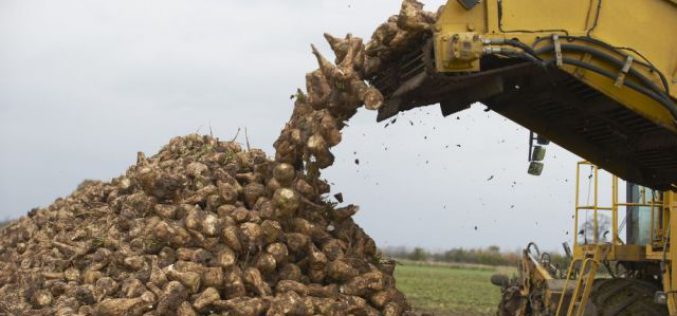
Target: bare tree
(587,231)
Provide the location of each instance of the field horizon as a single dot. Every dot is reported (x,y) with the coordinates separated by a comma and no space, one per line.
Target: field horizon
(447,289)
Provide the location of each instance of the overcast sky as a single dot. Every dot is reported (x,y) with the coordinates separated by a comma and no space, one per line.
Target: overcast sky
(84,85)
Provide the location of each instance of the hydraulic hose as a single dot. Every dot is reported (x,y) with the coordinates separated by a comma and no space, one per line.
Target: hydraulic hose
(605,57)
(528,57)
(617,51)
(522,46)
(653,91)
(669,105)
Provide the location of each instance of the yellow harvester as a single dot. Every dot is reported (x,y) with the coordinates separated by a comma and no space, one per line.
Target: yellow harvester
(597,77)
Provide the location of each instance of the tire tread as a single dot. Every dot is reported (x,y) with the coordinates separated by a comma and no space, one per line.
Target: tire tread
(621,297)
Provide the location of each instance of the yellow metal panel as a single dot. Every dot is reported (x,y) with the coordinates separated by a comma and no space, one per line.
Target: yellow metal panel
(647,27)
(628,253)
(455,19)
(533,15)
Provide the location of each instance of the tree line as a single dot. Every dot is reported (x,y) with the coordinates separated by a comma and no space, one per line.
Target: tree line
(492,255)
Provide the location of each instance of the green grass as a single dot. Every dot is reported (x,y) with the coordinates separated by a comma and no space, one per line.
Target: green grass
(450,290)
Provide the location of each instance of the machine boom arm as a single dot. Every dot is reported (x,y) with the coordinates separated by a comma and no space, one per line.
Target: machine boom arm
(597,77)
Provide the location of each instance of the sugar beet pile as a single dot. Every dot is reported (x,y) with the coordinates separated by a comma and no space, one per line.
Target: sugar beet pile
(206,228)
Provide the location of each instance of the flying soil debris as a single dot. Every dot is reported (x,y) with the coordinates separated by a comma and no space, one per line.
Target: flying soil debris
(204,227)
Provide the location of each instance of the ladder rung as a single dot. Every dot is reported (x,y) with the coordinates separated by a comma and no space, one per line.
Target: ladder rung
(586,277)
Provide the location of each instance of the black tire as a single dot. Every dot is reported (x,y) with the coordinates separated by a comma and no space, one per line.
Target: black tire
(624,297)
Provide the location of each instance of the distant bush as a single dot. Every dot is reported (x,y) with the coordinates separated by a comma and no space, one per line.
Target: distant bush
(418,254)
(491,255)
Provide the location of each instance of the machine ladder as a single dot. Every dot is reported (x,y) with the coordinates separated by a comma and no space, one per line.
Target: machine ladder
(584,281)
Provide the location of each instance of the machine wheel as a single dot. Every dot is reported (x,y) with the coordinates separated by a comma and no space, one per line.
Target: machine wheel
(621,297)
